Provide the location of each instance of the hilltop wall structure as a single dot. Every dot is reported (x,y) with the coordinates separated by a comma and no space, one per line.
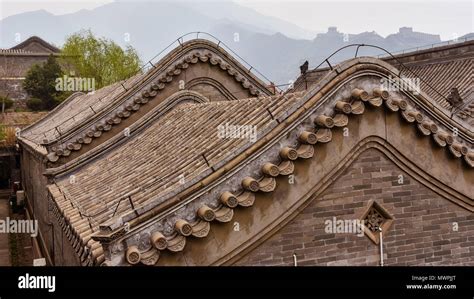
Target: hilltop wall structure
(198,162)
(440,69)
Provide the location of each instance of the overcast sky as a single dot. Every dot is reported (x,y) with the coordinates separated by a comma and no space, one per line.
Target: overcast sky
(449,18)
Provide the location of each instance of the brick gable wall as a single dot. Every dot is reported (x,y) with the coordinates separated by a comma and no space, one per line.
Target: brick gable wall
(423,231)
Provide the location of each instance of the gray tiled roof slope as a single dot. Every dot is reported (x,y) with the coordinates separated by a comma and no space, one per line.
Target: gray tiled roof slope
(153,164)
(442,68)
(444,76)
(82,114)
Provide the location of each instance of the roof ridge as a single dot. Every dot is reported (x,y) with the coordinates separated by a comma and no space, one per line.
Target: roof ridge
(154,81)
(267,183)
(311,103)
(35,38)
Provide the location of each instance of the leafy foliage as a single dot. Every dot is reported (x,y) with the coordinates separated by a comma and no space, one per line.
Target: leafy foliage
(2,132)
(99,58)
(35,104)
(40,82)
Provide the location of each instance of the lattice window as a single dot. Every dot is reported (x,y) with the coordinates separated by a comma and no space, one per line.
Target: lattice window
(376,217)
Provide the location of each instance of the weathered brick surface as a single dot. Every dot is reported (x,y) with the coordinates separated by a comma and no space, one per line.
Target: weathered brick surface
(12,71)
(422,232)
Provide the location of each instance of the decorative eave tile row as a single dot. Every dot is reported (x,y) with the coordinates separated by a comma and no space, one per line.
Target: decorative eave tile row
(76,113)
(307,140)
(89,251)
(148,93)
(425,125)
(357,106)
(74,110)
(76,208)
(455,73)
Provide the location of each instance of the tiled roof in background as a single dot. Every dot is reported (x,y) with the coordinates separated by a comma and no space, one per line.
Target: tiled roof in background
(15,51)
(441,68)
(443,77)
(20,119)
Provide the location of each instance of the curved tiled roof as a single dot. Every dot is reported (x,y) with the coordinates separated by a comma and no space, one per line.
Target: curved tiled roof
(15,51)
(188,150)
(181,152)
(76,109)
(440,69)
(83,113)
(444,76)
(250,186)
(36,39)
(189,154)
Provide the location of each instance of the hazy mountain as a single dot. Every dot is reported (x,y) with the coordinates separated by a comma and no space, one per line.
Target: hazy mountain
(141,19)
(279,57)
(273,46)
(243,16)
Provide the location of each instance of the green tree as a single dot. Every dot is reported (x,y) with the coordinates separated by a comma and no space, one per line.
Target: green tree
(99,58)
(40,82)
(2,132)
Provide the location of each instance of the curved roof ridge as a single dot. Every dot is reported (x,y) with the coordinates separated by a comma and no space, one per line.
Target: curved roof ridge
(155,195)
(167,69)
(37,39)
(406,114)
(421,97)
(432,62)
(90,97)
(167,106)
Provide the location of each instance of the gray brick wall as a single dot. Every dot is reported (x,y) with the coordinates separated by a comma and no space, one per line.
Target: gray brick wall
(423,231)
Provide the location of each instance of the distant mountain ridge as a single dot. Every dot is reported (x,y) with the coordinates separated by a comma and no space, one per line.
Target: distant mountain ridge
(273,46)
(280,56)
